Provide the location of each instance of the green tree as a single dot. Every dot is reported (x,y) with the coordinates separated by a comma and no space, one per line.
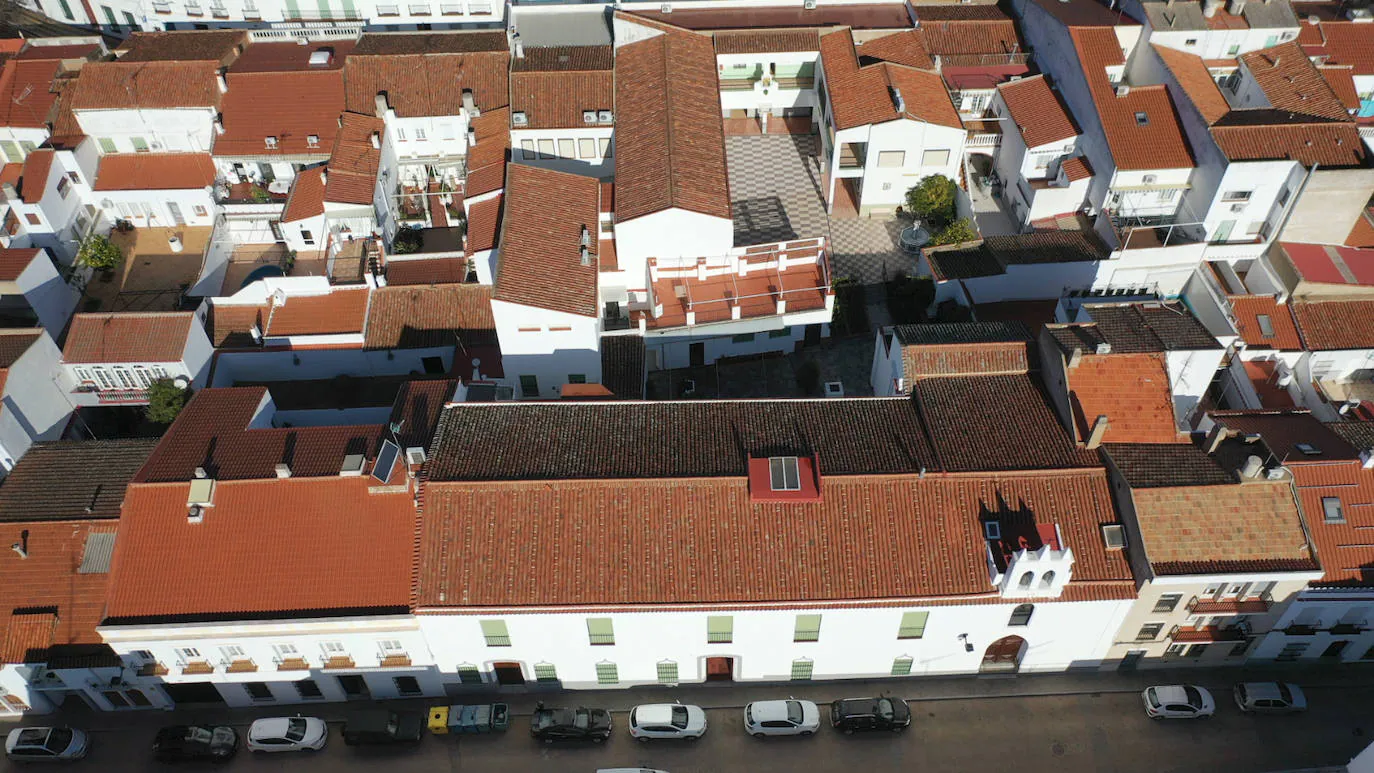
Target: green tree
(165,401)
(960,230)
(100,254)
(932,200)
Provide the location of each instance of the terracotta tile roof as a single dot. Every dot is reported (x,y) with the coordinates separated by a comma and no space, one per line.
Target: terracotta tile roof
(307,196)
(144,336)
(1150,327)
(149,85)
(14,342)
(1359,434)
(28,93)
(1196,81)
(1250,527)
(425,271)
(565,59)
(33,177)
(1142,126)
(342,310)
(1132,390)
(863,95)
(1077,168)
(1335,325)
(1362,234)
(74,51)
(767,41)
(540,262)
(293,57)
(417,317)
(1038,111)
(670,142)
(1086,14)
(906,538)
(905,48)
(557,100)
(1343,43)
(291,107)
(711,438)
(957,40)
(992,255)
(14,260)
(929,13)
(1282,431)
(964,349)
(487,159)
(484,223)
(154,171)
(1329,264)
(1165,465)
(219,46)
(1249,308)
(320,546)
(1342,83)
(45,603)
(353,162)
(622,366)
(1327,144)
(425,74)
(230,326)
(864,16)
(72,479)
(1291,82)
(970,440)
(10,173)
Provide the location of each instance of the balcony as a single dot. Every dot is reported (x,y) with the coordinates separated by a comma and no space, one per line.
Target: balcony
(619,322)
(399,660)
(1349,629)
(197,667)
(1300,630)
(1207,634)
(339,661)
(153,669)
(853,155)
(120,396)
(1248,606)
(292,664)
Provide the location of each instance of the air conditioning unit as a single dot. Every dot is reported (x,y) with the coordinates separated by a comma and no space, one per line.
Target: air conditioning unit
(666,8)
(809,5)
(605,116)
(1237,207)
(519,119)
(415,456)
(588,116)
(1122,90)
(155,145)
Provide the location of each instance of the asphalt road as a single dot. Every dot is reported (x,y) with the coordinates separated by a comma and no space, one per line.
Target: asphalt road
(1106,731)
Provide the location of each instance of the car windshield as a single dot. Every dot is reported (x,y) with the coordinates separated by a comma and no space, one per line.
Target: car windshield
(794,712)
(749,714)
(885,708)
(1194,697)
(1285,693)
(680,717)
(581,720)
(295,730)
(198,734)
(1152,697)
(58,740)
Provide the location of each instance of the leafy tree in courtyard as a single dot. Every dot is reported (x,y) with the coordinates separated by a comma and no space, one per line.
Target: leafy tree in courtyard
(960,230)
(100,253)
(932,200)
(165,401)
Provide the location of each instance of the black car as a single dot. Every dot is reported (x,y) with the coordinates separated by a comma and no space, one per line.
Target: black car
(579,724)
(384,728)
(859,714)
(195,742)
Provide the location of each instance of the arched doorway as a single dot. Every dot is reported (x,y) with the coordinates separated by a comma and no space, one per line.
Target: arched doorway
(1003,656)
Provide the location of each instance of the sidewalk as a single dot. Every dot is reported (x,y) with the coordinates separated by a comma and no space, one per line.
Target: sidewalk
(727,695)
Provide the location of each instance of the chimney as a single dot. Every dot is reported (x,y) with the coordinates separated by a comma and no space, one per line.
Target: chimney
(22,546)
(1076,357)
(1098,431)
(283,470)
(1104,348)
(324,176)
(219,123)
(472,136)
(586,256)
(519,46)
(377,140)
(939,64)
(381,104)
(897,101)
(221,82)
(200,473)
(586,237)
(1253,467)
(1216,437)
(469,105)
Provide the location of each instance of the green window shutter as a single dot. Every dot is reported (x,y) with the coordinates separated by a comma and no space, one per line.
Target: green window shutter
(808,628)
(469,675)
(606,673)
(901,666)
(324,9)
(742,338)
(913,625)
(545,672)
(140,144)
(667,672)
(783,333)
(496,633)
(292,10)
(106,146)
(66,10)
(600,630)
(529,386)
(350,11)
(109,15)
(720,629)
(802,669)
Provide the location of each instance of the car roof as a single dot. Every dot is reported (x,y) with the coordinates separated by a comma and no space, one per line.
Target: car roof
(1170,693)
(270,726)
(655,713)
(28,736)
(766,710)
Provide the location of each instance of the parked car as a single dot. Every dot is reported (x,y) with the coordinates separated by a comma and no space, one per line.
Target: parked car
(1178,701)
(1270,697)
(288,734)
(860,714)
(195,742)
(383,728)
(667,720)
(40,744)
(563,724)
(789,717)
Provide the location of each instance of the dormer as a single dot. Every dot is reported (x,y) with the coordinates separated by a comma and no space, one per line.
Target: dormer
(1026,560)
(784,479)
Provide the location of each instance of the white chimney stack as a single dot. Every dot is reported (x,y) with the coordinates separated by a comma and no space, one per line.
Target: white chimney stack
(376,140)
(283,470)
(221,82)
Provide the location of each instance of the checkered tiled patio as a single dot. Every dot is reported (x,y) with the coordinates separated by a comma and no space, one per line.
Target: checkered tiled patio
(775,187)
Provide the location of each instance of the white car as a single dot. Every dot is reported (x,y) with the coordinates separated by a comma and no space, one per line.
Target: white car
(789,717)
(288,734)
(667,720)
(1178,701)
(46,744)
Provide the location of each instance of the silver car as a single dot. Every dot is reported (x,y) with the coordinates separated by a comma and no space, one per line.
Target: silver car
(1270,697)
(667,720)
(288,734)
(46,744)
(789,717)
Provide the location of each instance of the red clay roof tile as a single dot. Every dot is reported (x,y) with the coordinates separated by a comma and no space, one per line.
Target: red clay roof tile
(1131,390)
(547,213)
(557,100)
(290,107)
(864,95)
(1249,527)
(1196,81)
(143,336)
(44,600)
(445,315)
(353,162)
(1249,308)
(149,85)
(767,41)
(1335,325)
(34,176)
(905,48)
(342,310)
(154,171)
(426,74)
(28,93)
(1038,111)
(307,196)
(1291,82)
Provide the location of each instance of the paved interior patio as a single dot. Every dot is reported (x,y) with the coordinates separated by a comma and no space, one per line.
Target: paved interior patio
(153,276)
(775,184)
(773,375)
(866,250)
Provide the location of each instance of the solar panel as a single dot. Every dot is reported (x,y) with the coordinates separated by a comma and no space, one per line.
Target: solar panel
(386,461)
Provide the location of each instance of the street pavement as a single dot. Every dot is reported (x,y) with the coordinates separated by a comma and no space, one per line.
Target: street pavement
(1081,721)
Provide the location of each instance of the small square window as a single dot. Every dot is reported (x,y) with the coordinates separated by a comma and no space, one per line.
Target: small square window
(1149,632)
(468,674)
(784,474)
(1114,535)
(607,673)
(1308,449)
(271,142)
(1141,118)
(312,140)
(901,666)
(802,669)
(1167,602)
(1266,325)
(407,685)
(577,378)
(545,672)
(1331,508)
(992,530)
(1190,42)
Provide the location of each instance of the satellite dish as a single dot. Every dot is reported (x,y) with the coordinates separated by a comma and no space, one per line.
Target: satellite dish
(181,382)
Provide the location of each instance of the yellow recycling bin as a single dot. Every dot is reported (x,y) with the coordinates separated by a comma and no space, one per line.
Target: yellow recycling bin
(438,720)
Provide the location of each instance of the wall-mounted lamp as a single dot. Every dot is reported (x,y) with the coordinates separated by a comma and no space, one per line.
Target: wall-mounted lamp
(968,645)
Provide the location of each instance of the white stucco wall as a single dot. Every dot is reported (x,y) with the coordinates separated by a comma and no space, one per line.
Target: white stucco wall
(549,345)
(671,233)
(52,299)
(557,154)
(189,129)
(35,407)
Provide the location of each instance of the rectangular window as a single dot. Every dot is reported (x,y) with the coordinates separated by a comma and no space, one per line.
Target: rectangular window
(140,144)
(605,147)
(1196,650)
(66,10)
(1168,602)
(606,673)
(420,135)
(667,672)
(1266,325)
(720,629)
(107,145)
(258,692)
(308,690)
(808,628)
(63,186)
(527,150)
(188,653)
(494,631)
(935,158)
(600,631)
(407,685)
(545,672)
(891,159)
(232,651)
(529,386)
(586,148)
(1238,649)
(567,149)
(913,625)
(1149,632)
(285,650)
(390,646)
(784,474)
(577,378)
(802,669)
(109,15)
(901,666)
(742,338)
(546,149)
(1292,651)
(469,675)
(1236,195)
(1331,509)
(332,648)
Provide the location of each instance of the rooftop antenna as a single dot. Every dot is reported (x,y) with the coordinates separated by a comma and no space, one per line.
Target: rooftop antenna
(22,546)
